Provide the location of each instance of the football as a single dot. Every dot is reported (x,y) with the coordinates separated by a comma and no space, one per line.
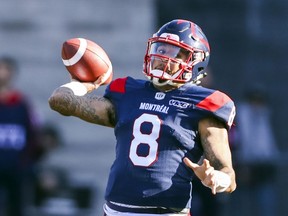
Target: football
(86,61)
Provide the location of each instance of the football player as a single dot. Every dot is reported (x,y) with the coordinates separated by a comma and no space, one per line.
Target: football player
(169,129)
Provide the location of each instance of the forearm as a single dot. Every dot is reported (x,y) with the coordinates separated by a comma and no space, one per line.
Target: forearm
(214,139)
(222,161)
(91,108)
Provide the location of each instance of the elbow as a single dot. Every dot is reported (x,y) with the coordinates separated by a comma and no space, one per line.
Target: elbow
(58,103)
(52,101)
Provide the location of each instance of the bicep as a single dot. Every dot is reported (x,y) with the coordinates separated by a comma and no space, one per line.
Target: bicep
(214,139)
(91,108)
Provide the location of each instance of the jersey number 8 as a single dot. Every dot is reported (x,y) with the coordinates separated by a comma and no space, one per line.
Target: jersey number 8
(149,139)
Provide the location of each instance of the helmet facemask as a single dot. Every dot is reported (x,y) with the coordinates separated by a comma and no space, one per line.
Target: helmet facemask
(170,62)
(185,37)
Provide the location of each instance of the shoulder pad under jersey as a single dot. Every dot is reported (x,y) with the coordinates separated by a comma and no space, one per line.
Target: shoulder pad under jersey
(219,104)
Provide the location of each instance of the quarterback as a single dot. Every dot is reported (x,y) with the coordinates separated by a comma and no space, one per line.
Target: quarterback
(168,128)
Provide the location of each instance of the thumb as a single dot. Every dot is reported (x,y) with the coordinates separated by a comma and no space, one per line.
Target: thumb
(89,86)
(103,78)
(190,164)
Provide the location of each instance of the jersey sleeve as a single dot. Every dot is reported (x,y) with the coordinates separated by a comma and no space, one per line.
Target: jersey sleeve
(219,105)
(116,89)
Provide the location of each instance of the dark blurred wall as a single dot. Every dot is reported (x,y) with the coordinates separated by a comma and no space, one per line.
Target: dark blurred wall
(248,42)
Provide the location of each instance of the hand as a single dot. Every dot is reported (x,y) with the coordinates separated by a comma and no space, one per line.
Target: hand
(94,85)
(105,78)
(90,86)
(204,172)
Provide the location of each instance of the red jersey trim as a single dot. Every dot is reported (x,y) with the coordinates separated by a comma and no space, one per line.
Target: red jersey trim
(214,101)
(118,85)
(12,98)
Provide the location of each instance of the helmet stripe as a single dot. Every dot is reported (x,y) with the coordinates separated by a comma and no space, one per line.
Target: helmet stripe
(194,35)
(78,55)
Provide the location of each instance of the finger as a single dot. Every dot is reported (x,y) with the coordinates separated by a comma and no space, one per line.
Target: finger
(90,86)
(99,82)
(97,85)
(213,181)
(206,163)
(102,79)
(190,164)
(214,186)
(213,189)
(209,171)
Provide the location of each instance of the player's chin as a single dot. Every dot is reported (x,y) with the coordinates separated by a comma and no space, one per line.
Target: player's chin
(162,80)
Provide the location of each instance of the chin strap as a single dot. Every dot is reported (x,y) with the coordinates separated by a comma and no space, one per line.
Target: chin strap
(197,80)
(159,73)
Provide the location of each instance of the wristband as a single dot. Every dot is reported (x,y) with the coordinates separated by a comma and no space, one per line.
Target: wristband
(78,88)
(222,181)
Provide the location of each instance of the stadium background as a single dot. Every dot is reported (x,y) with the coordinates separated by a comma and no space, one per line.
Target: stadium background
(248,41)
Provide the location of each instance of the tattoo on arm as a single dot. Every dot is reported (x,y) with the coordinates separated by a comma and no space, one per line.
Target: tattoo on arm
(91,108)
(103,113)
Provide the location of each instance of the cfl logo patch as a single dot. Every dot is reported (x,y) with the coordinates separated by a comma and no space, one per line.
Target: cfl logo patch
(159,96)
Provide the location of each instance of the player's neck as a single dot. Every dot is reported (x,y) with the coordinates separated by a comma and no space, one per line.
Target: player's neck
(166,88)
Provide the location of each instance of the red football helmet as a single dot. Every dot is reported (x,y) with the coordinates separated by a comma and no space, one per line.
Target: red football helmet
(178,53)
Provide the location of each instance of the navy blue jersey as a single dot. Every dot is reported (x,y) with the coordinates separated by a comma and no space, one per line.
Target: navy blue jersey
(16,132)
(154,132)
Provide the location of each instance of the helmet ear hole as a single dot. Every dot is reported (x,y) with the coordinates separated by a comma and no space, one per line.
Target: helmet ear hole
(198,56)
